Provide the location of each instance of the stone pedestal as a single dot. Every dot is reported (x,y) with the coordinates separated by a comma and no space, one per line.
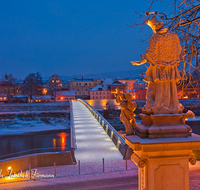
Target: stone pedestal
(163,163)
(163,126)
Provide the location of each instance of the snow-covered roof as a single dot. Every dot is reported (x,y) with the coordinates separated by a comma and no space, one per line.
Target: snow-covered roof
(66,93)
(101,87)
(107,80)
(20,96)
(140,81)
(2,95)
(116,82)
(127,78)
(42,97)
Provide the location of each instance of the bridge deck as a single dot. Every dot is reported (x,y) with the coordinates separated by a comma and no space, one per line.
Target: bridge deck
(92,142)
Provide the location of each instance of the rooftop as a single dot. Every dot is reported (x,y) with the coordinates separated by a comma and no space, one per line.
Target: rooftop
(101,87)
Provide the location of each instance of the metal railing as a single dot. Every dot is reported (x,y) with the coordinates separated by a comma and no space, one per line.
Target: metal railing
(34,151)
(103,122)
(72,131)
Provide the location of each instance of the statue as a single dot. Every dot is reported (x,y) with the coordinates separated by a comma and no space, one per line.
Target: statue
(127,107)
(163,54)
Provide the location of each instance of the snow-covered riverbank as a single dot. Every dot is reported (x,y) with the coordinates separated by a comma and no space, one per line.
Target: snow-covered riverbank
(25,118)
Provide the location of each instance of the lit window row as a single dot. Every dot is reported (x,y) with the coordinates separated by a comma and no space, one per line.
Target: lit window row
(56,81)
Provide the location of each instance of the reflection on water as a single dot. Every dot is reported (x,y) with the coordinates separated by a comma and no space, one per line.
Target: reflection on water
(45,142)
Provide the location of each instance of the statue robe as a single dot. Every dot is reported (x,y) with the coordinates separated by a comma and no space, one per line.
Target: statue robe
(164,54)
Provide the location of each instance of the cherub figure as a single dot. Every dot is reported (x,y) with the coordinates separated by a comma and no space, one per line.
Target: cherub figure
(127,107)
(163,54)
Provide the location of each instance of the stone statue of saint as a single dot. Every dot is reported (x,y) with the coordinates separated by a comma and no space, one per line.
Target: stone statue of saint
(127,107)
(163,54)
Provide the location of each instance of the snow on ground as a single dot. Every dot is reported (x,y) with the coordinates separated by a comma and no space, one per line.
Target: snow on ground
(24,118)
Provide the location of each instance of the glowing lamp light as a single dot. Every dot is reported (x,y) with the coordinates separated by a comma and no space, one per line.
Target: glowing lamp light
(186,119)
(134,97)
(63,142)
(62,98)
(9,168)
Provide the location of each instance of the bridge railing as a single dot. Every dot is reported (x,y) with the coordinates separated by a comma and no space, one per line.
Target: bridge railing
(104,123)
(72,131)
(34,151)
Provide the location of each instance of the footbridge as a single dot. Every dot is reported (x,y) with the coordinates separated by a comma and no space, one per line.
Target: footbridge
(93,136)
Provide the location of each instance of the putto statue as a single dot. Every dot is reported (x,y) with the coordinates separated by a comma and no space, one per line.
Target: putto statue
(163,54)
(127,107)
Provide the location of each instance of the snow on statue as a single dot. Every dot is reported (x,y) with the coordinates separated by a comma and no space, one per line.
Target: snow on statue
(163,54)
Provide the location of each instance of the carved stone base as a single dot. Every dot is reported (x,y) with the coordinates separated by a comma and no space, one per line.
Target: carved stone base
(163,126)
(163,164)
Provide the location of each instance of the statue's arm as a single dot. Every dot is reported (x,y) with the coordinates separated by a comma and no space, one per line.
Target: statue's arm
(139,62)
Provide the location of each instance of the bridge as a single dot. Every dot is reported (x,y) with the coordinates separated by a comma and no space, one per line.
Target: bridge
(92,135)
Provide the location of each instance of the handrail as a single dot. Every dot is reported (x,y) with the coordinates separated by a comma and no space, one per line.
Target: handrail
(72,131)
(103,121)
(32,151)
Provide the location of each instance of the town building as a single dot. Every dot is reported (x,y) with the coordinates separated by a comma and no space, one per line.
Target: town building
(62,96)
(82,86)
(100,92)
(42,98)
(128,83)
(139,89)
(117,86)
(3,98)
(55,83)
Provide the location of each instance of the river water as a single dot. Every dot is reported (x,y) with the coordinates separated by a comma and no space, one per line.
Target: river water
(19,145)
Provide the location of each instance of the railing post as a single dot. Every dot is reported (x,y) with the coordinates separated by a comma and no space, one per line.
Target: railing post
(103,164)
(126,164)
(111,136)
(102,123)
(30,171)
(79,167)
(106,128)
(54,169)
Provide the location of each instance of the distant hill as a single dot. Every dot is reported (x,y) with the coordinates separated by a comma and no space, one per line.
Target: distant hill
(135,73)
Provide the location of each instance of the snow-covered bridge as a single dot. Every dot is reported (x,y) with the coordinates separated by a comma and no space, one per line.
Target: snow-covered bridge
(92,136)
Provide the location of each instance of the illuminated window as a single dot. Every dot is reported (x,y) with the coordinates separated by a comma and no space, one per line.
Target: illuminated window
(4,98)
(61,98)
(59,84)
(39,100)
(52,81)
(0,98)
(57,80)
(36,100)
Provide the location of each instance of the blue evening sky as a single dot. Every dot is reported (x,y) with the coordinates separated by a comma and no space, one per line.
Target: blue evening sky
(70,37)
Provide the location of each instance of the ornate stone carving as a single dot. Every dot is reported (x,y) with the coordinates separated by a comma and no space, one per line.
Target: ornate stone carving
(127,107)
(192,160)
(141,163)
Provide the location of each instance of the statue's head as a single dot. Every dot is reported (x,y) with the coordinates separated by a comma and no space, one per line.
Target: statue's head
(154,24)
(128,97)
